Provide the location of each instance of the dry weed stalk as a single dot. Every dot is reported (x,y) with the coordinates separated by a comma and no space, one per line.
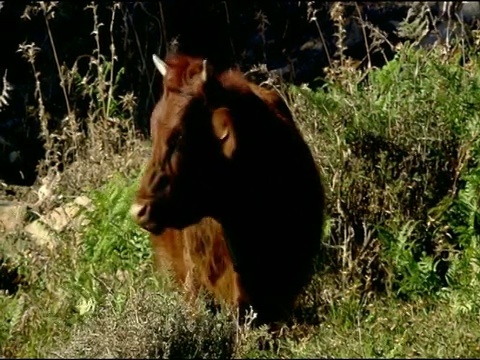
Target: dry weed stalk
(262,28)
(4,95)
(312,16)
(416,24)
(343,69)
(106,134)
(337,12)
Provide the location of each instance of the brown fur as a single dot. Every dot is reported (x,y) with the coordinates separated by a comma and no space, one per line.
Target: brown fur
(231,178)
(199,258)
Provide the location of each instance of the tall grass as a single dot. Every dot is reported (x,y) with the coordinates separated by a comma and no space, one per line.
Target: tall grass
(97,126)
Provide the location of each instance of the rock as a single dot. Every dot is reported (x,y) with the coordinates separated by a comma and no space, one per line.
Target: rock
(12,216)
(68,216)
(59,218)
(83,201)
(39,232)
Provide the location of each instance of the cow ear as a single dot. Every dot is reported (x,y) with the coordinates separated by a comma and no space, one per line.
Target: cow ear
(207,70)
(223,129)
(160,65)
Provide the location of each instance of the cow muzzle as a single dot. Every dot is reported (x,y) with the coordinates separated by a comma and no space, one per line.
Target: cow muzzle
(141,213)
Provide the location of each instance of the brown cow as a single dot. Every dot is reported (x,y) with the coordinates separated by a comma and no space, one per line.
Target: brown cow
(231,190)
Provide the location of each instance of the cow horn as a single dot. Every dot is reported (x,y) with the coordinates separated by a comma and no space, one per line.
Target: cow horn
(160,65)
(205,70)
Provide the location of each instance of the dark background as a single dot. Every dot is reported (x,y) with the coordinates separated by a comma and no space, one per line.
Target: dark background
(228,33)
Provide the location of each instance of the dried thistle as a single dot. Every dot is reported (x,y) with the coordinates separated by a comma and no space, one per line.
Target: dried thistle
(336,13)
(4,95)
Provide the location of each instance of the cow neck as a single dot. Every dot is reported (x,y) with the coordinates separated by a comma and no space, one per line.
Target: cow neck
(254,198)
(247,211)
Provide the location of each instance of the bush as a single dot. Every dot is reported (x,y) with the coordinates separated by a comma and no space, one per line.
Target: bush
(399,154)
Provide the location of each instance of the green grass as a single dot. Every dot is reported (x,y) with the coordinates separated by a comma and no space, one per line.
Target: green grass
(386,329)
(399,154)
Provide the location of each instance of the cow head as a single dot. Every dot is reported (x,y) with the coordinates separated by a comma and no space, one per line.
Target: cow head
(193,141)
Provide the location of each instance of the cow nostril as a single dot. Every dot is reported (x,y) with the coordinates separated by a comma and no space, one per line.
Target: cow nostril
(143,211)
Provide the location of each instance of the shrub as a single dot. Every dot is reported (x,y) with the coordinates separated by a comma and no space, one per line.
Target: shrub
(397,151)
